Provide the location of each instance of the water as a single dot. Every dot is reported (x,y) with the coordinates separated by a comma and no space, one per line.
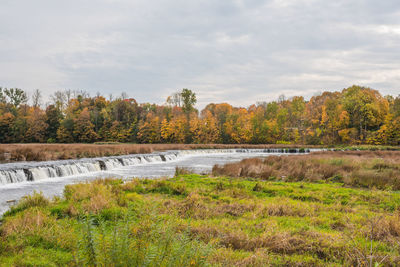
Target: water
(23,178)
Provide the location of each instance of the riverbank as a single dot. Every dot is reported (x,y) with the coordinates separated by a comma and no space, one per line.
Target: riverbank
(194,220)
(46,152)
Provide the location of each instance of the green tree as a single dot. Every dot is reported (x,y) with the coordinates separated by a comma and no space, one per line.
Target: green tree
(366,107)
(53,118)
(189,100)
(6,126)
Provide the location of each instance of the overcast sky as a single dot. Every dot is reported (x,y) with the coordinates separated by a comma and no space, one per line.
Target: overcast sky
(226,51)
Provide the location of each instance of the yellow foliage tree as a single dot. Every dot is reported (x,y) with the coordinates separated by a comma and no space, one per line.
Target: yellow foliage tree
(150,129)
(204,130)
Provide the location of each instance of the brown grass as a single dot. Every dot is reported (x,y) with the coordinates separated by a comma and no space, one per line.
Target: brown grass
(380,169)
(384,228)
(200,207)
(43,152)
(283,207)
(280,242)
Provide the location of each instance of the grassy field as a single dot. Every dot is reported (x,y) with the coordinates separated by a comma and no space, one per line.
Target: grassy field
(366,169)
(43,152)
(194,220)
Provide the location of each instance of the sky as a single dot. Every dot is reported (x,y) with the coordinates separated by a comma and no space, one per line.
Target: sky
(235,51)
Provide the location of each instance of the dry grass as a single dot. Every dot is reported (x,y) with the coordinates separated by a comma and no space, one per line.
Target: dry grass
(282,242)
(283,207)
(380,169)
(384,228)
(43,152)
(201,207)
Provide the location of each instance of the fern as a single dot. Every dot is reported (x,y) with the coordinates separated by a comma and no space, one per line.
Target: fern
(154,242)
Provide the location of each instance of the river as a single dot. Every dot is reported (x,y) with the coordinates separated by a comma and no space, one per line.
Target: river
(23,178)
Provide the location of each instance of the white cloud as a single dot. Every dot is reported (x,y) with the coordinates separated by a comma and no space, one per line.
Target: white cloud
(227,51)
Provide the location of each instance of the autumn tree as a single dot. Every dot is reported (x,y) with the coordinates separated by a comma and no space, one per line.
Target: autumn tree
(263,130)
(354,115)
(150,129)
(238,126)
(84,128)
(204,130)
(37,126)
(173,131)
(221,112)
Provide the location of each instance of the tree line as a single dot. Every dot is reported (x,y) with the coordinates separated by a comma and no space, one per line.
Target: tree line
(355,115)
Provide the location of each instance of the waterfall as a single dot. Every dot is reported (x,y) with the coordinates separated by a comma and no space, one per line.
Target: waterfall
(35,171)
(12,176)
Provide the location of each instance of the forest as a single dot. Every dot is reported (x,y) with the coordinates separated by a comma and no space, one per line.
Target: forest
(355,115)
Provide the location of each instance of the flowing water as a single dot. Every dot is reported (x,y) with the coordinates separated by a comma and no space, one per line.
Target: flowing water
(50,177)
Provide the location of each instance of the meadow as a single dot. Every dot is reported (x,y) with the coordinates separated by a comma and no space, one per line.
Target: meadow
(366,169)
(200,220)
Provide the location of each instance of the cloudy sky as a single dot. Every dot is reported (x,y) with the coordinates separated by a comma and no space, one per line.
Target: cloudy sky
(236,51)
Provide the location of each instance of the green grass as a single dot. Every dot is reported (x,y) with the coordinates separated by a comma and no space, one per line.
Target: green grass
(194,220)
